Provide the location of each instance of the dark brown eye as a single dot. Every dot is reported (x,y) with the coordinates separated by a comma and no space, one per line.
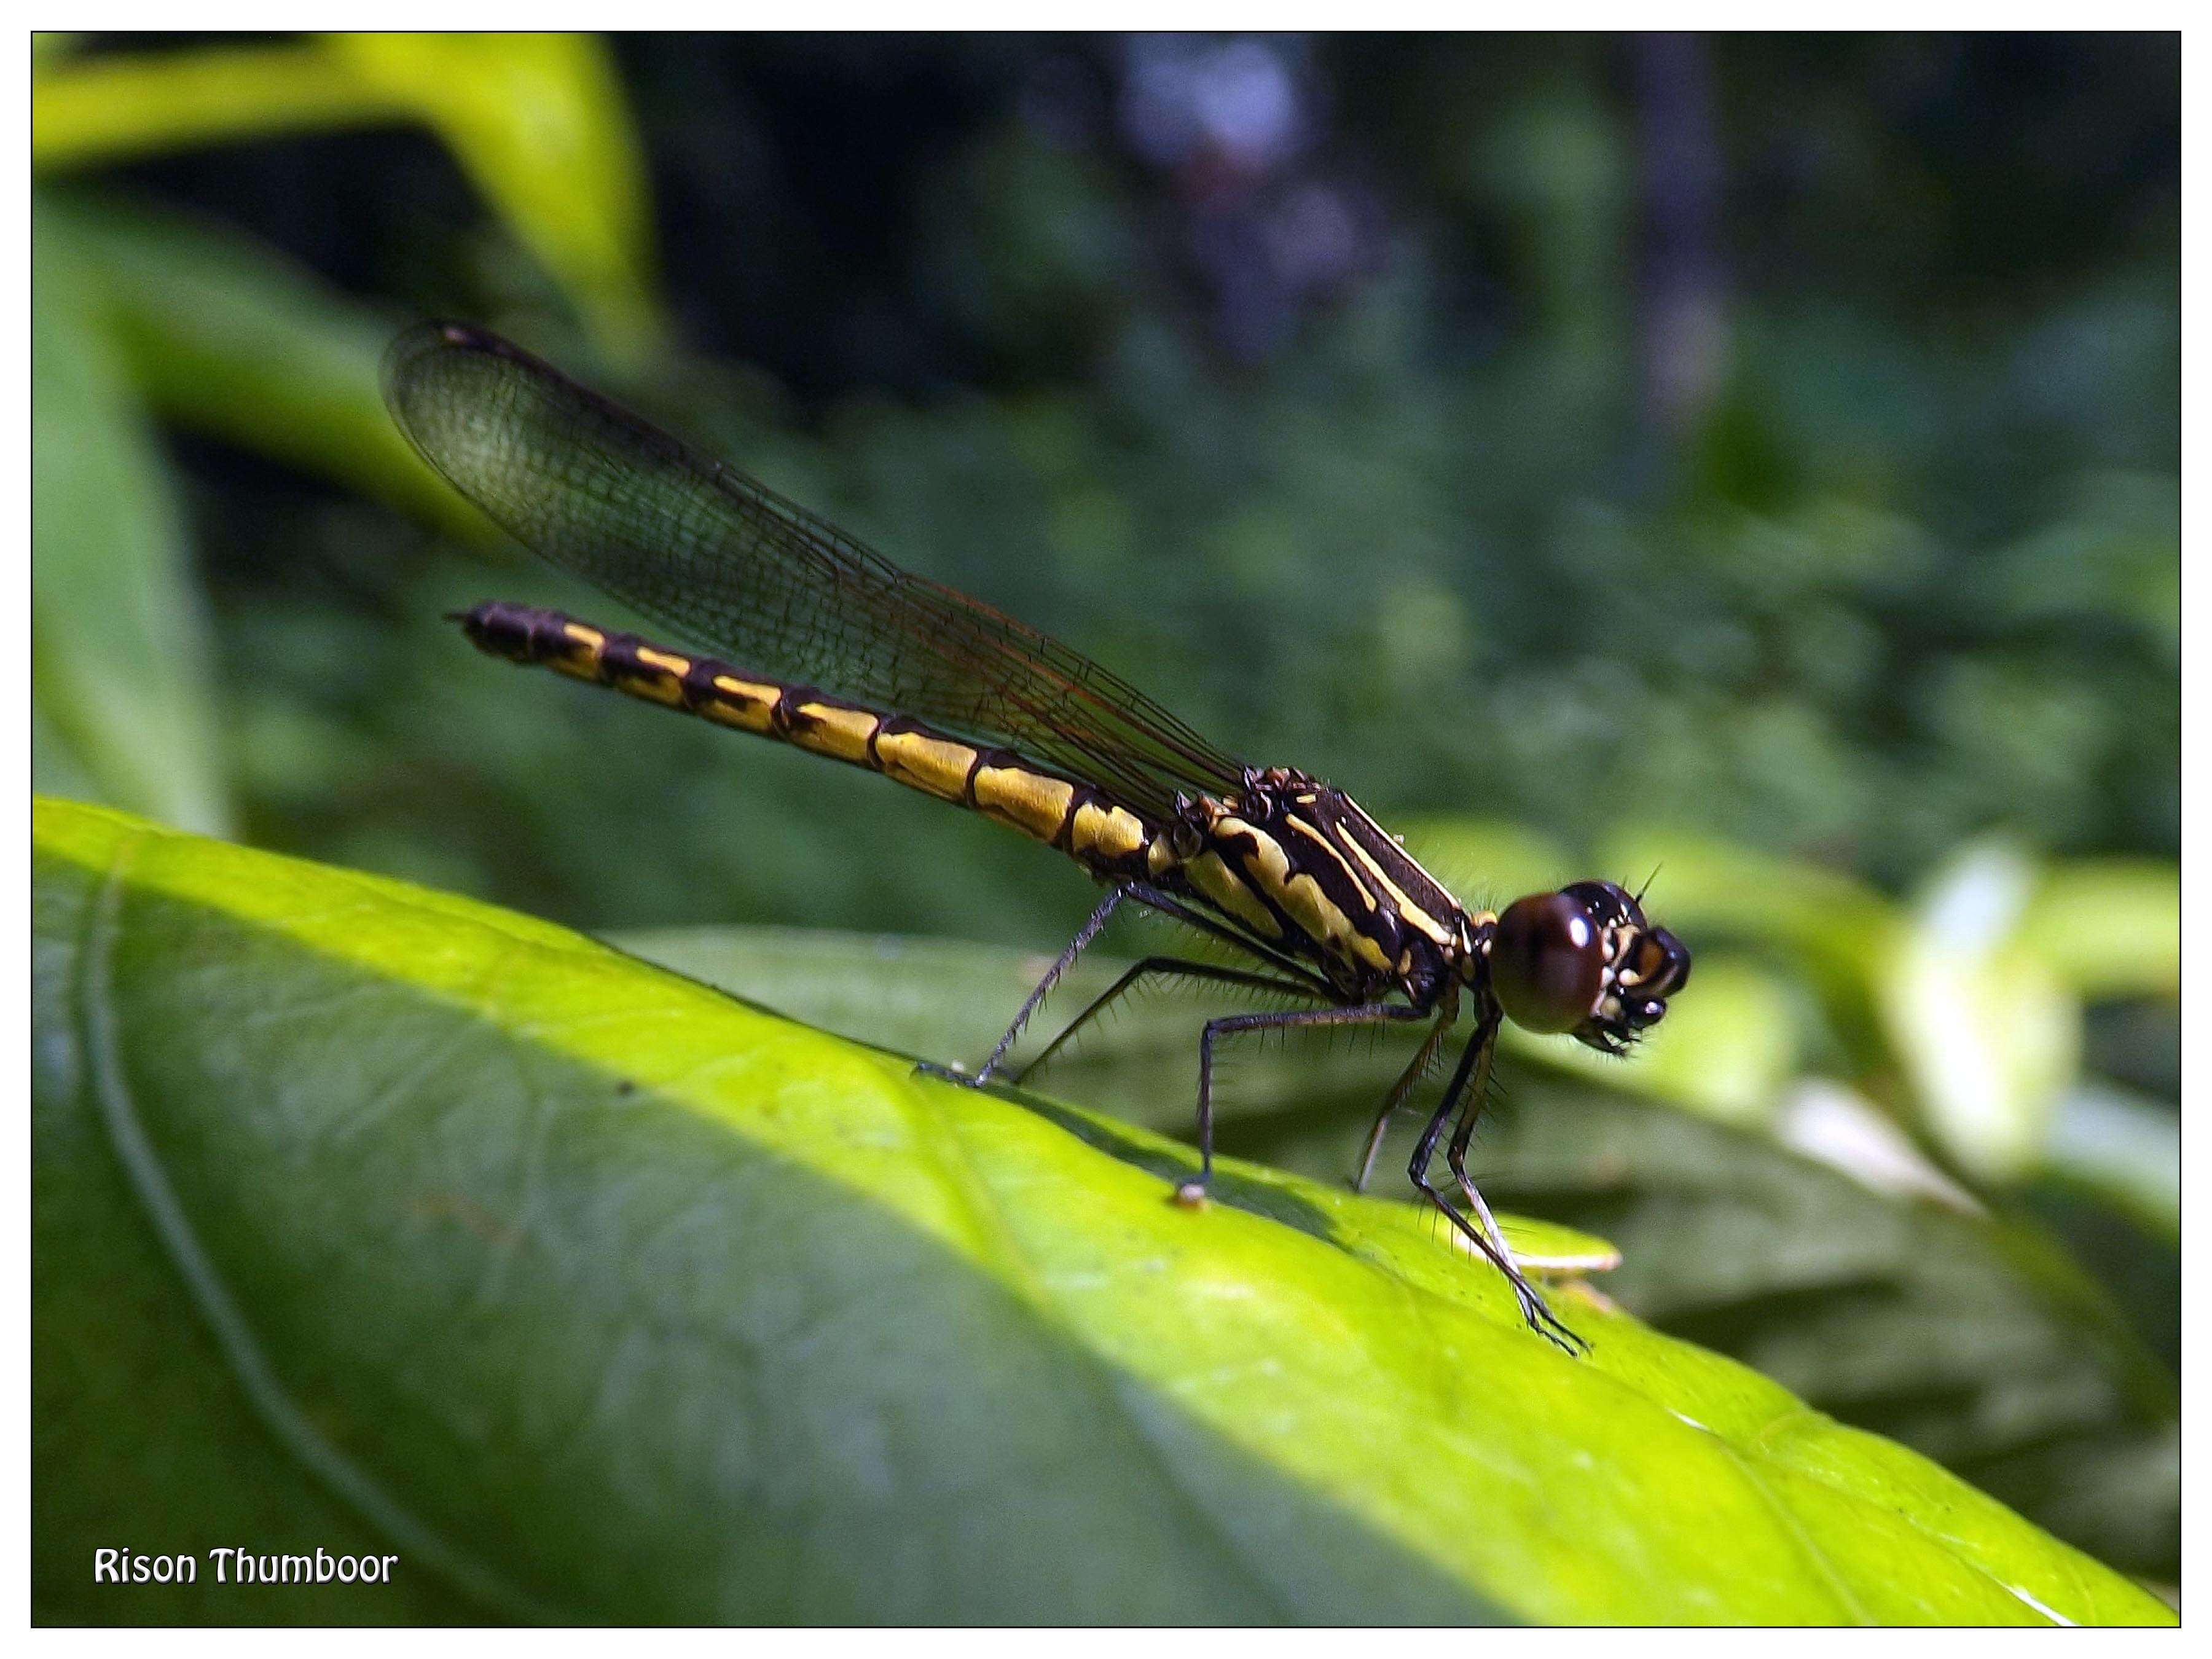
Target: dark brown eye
(1546,963)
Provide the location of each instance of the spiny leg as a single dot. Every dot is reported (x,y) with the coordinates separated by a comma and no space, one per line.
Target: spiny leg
(1305,981)
(1362,1013)
(1476,1057)
(1168,905)
(1456,1154)
(1476,1093)
(1293,977)
(1455,1160)
(1165,967)
(1076,946)
(1416,1069)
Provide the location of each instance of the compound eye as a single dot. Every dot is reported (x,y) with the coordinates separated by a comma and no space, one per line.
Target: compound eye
(1607,901)
(1546,963)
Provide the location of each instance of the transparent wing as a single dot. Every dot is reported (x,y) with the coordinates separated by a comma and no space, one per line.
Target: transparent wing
(734,567)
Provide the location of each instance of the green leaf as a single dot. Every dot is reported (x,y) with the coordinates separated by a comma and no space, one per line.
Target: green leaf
(1965,1335)
(225,336)
(595,1295)
(87,111)
(2123,1146)
(2109,927)
(1974,995)
(542,124)
(118,650)
(1987,1032)
(538,121)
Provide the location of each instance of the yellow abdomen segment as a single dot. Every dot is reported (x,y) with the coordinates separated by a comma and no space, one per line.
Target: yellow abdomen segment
(1059,811)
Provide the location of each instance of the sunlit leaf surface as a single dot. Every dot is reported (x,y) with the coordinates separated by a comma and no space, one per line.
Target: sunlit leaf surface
(596,1295)
(1872,1286)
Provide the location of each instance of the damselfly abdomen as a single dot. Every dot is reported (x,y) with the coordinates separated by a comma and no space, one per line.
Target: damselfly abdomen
(833,648)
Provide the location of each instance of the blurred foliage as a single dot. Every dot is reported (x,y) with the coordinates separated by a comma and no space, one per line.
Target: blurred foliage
(538,121)
(1757,458)
(126,700)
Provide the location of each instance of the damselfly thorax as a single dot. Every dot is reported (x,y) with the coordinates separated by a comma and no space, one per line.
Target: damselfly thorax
(833,649)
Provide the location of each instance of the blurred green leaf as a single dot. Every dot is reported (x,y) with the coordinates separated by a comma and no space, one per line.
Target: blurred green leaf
(55,768)
(1985,1031)
(2124,1147)
(1965,1336)
(542,124)
(538,121)
(1974,995)
(224,335)
(597,1296)
(98,110)
(118,654)
(2108,928)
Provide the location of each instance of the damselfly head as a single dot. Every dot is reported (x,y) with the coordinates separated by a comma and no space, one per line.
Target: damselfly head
(1584,960)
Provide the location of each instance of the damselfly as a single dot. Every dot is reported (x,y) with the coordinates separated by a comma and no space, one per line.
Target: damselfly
(833,648)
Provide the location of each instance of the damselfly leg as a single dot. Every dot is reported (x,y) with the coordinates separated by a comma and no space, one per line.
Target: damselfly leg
(1076,946)
(1423,1058)
(1162,968)
(1367,1014)
(1289,978)
(1463,1101)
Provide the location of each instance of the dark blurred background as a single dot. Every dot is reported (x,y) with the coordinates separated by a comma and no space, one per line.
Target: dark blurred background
(1757,456)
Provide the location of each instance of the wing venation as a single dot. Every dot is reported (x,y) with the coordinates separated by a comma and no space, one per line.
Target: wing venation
(732,567)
